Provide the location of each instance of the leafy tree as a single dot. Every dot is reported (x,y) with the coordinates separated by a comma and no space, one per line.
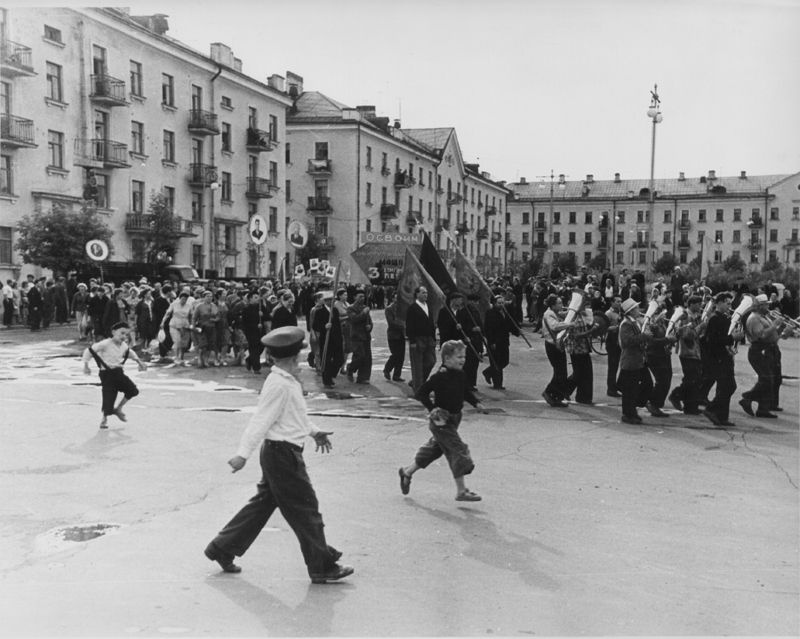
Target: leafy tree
(311,249)
(567,263)
(56,239)
(160,238)
(734,264)
(598,263)
(665,264)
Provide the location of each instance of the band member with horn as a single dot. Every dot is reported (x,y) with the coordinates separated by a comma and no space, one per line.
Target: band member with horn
(579,346)
(634,380)
(707,379)
(763,335)
(614,315)
(658,354)
(552,322)
(498,325)
(720,360)
(686,397)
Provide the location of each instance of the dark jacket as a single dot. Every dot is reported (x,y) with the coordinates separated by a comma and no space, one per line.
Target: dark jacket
(418,324)
(395,326)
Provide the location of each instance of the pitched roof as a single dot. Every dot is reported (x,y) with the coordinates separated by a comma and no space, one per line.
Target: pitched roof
(664,188)
(435,138)
(313,104)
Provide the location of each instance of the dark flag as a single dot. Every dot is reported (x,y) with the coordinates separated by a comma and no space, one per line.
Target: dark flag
(412,276)
(470,283)
(431,261)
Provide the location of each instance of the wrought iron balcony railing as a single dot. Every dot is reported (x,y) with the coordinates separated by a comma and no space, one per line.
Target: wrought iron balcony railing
(107,90)
(320,167)
(319,203)
(388,211)
(258,187)
(202,174)
(203,122)
(15,59)
(16,132)
(258,140)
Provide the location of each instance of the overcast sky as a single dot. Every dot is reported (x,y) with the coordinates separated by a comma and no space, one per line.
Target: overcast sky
(537,85)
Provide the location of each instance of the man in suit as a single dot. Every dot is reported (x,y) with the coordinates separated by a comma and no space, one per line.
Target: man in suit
(421,335)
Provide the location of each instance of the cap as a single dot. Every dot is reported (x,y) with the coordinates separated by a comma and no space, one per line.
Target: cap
(761,299)
(628,305)
(286,341)
(143,280)
(325,295)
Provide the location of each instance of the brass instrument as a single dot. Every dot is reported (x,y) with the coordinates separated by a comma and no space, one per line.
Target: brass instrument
(776,315)
(677,314)
(736,317)
(572,312)
(707,310)
(652,308)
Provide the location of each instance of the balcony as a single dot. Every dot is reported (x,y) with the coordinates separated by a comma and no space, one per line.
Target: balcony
(754,245)
(684,225)
(259,141)
(258,187)
(107,91)
(496,237)
(511,245)
(482,234)
(462,228)
(454,198)
(203,122)
(320,167)
(326,242)
(793,241)
(684,245)
(16,132)
(539,245)
(385,170)
(603,223)
(144,223)
(15,59)
(443,225)
(540,225)
(403,180)
(202,174)
(491,210)
(640,244)
(112,155)
(388,211)
(413,218)
(319,204)
(755,223)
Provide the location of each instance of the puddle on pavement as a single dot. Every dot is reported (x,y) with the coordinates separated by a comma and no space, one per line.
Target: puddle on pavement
(86,532)
(63,537)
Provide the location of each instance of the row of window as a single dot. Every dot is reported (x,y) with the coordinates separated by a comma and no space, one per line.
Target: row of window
(640,257)
(642,237)
(643,217)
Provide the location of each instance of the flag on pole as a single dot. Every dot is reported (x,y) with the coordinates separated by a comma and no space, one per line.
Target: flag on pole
(470,282)
(432,263)
(412,276)
(705,255)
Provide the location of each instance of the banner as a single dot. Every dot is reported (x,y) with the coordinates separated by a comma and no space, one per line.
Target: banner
(414,275)
(470,282)
(431,262)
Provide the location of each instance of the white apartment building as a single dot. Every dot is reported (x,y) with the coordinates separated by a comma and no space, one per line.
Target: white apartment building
(754,217)
(96,102)
(351,172)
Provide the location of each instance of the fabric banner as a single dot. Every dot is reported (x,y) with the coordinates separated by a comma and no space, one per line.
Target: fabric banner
(412,276)
(470,282)
(432,263)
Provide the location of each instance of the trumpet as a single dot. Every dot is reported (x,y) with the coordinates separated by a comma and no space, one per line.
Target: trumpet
(778,316)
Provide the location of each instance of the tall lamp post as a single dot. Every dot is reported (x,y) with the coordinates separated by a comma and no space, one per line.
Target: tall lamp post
(654,113)
(562,185)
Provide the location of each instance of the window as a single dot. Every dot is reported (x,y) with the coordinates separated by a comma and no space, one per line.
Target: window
(54,84)
(55,145)
(556,217)
(137,137)
(717,257)
(369,193)
(642,257)
(773,235)
(288,154)
(737,215)
(572,216)
(169,198)
(288,190)
(526,238)
(272,222)
(430,180)
(197,207)
(6,177)
(197,97)
(667,217)
(556,237)
(718,237)
(756,213)
(5,244)
(369,157)
(701,215)
(667,238)
(772,256)
(226,187)
(225,103)
(620,259)
(620,217)
(252,117)
(720,215)
(526,217)
(102,190)
(169,146)
(572,237)
(682,258)
(587,257)
(796,256)
(273,127)
(167,90)
(137,196)
(421,173)
(737,237)
(587,238)
(587,217)
(226,137)
(52,34)
(773,213)
(273,173)
(700,236)
(136,78)
(230,237)
(320,150)
(620,237)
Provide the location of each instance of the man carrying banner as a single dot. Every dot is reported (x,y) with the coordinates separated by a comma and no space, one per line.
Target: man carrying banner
(421,336)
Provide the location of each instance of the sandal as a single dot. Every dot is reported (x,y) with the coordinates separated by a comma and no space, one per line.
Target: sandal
(468,495)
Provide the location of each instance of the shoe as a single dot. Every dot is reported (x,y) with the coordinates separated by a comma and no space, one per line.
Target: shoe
(589,403)
(614,394)
(550,399)
(691,411)
(778,409)
(468,495)
(712,417)
(747,406)
(631,419)
(120,415)
(487,377)
(499,387)
(224,559)
(387,376)
(362,381)
(676,403)
(103,423)
(334,574)
(654,410)
(727,423)
(405,481)
(764,413)
(398,379)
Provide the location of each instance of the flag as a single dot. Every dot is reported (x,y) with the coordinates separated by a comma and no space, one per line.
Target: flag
(470,282)
(705,255)
(436,297)
(431,262)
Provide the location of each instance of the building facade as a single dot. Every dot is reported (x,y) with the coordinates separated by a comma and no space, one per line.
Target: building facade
(351,173)
(101,105)
(609,221)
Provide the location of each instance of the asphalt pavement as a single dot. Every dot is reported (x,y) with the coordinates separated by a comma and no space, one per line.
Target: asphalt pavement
(587,526)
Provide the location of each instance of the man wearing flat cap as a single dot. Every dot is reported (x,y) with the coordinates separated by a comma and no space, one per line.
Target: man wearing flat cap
(280,426)
(634,378)
(763,334)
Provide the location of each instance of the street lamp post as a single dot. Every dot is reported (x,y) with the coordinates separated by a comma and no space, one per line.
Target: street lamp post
(549,251)
(654,113)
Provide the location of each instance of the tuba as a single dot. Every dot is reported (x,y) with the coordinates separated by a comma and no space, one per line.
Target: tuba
(652,309)
(677,314)
(740,311)
(572,312)
(707,310)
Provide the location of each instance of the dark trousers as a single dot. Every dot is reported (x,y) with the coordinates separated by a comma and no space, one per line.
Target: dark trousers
(112,382)
(582,378)
(613,350)
(446,441)
(284,485)
(498,358)
(254,350)
(777,375)
(635,386)
(471,366)
(8,312)
(708,375)
(762,359)
(423,359)
(361,363)
(689,390)
(394,365)
(558,383)
(723,377)
(35,319)
(661,370)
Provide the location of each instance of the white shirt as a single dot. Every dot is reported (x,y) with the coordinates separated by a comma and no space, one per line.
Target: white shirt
(112,354)
(281,414)
(423,306)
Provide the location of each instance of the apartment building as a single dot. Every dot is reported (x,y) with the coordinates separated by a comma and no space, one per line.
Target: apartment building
(351,173)
(100,104)
(753,217)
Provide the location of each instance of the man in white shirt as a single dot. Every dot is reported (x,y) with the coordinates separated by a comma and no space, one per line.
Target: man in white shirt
(280,426)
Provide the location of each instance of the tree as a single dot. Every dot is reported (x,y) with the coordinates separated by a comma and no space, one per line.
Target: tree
(56,239)
(567,263)
(160,238)
(311,249)
(665,264)
(734,264)
(598,263)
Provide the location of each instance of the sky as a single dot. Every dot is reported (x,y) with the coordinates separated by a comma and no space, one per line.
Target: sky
(540,85)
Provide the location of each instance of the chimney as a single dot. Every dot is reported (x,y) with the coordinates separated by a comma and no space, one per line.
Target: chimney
(277,82)
(712,175)
(743,175)
(237,64)
(367,110)
(589,178)
(522,180)
(396,123)
(681,177)
(294,84)
(222,53)
(617,178)
(157,23)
